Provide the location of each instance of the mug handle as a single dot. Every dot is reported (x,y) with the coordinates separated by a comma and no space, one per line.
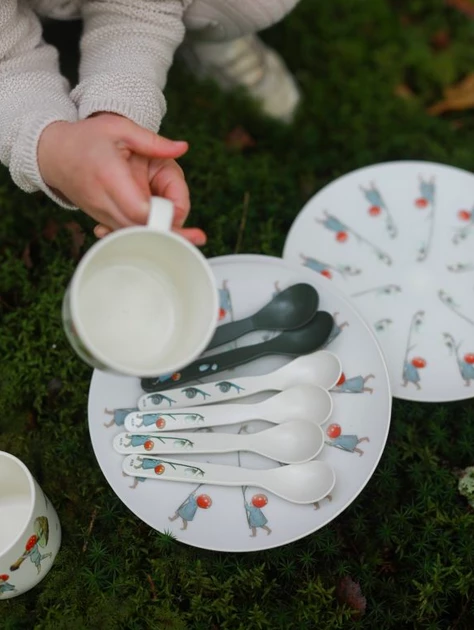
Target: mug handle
(161,214)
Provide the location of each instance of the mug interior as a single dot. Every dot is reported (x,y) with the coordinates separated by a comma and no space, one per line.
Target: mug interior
(145,302)
(16,500)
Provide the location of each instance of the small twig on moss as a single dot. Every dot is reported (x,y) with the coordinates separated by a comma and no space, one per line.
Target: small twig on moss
(152,587)
(89,530)
(243,221)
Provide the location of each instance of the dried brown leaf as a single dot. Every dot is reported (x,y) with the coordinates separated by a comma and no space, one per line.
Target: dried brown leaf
(26,256)
(239,139)
(441,39)
(349,592)
(78,238)
(403,91)
(51,229)
(456,98)
(463,6)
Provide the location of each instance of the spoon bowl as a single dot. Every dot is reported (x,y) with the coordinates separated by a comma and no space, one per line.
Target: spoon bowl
(291,308)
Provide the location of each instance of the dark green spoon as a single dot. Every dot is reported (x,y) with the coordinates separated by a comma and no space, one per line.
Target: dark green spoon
(291,308)
(291,343)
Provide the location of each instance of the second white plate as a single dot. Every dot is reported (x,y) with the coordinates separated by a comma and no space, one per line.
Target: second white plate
(397,239)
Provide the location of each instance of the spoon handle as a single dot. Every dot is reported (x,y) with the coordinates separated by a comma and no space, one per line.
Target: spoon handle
(212,365)
(166,443)
(230,331)
(190,418)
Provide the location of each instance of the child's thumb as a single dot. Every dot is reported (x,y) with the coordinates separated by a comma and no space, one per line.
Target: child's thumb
(149,144)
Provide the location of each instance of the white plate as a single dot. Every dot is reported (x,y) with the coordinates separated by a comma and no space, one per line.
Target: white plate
(398,239)
(221,518)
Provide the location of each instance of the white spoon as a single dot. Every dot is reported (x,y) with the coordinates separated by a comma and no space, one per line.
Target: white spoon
(298,483)
(301,402)
(290,443)
(319,368)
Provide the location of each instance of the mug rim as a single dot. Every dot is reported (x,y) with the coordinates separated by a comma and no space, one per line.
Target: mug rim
(32,487)
(80,270)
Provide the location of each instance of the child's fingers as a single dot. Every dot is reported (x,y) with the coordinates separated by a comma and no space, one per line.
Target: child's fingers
(131,202)
(194,235)
(168,181)
(149,144)
(102,230)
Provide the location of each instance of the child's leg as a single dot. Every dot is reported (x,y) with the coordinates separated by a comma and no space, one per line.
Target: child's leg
(221,45)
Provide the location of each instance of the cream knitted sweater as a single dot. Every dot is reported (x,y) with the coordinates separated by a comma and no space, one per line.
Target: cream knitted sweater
(126,50)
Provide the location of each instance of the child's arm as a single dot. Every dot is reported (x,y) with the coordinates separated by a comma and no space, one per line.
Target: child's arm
(33,94)
(126,51)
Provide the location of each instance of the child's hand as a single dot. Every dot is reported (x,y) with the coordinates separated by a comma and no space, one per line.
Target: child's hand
(109,166)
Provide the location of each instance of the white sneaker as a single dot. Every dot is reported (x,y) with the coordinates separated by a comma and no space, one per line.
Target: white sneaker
(246,62)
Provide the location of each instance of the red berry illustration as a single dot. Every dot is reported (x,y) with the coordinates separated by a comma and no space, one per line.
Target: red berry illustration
(31,542)
(464,215)
(259,500)
(374,211)
(421,202)
(148,445)
(326,273)
(160,423)
(341,237)
(176,376)
(4,577)
(204,501)
(342,379)
(469,358)
(333,430)
(222,313)
(160,469)
(418,362)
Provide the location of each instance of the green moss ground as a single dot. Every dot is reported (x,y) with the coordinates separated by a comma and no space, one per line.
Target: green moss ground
(409,538)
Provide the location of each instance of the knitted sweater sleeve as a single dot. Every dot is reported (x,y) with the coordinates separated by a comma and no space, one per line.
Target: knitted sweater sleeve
(126,52)
(33,94)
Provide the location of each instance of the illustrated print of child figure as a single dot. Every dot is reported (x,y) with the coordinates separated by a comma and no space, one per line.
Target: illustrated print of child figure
(336,329)
(326,269)
(465,364)
(135,482)
(118,416)
(32,548)
(255,516)
(354,385)
(411,372)
(347,443)
(411,367)
(188,508)
(5,586)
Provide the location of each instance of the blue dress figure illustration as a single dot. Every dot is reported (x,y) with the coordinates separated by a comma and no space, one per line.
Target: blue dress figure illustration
(336,329)
(135,482)
(354,385)
(188,508)
(316,265)
(332,223)
(139,440)
(347,443)
(375,199)
(427,192)
(225,303)
(5,586)
(118,416)
(411,372)
(255,516)
(465,363)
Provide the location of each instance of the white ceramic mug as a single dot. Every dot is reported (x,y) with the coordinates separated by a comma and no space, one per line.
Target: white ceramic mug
(30,533)
(143,300)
